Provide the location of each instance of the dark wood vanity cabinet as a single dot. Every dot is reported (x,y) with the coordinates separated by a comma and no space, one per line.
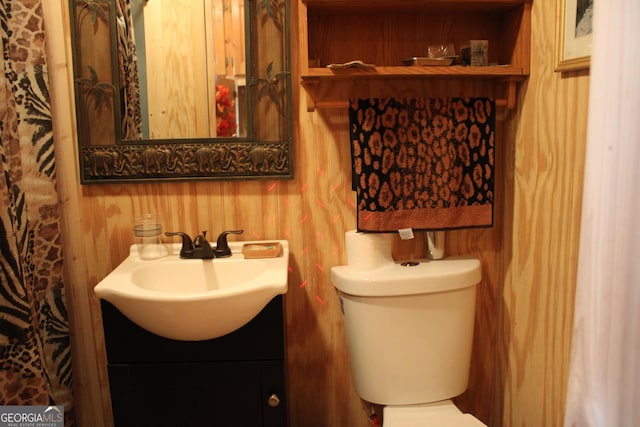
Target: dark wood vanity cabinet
(233,381)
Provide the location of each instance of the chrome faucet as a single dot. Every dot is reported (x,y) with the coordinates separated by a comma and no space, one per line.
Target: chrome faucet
(200,248)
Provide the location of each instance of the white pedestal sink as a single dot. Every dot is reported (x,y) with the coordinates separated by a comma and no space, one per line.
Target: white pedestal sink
(195,299)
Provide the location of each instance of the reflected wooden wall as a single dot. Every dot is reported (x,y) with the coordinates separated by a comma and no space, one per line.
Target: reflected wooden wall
(525,307)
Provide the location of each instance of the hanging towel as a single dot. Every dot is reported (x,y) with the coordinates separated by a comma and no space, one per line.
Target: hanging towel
(423,163)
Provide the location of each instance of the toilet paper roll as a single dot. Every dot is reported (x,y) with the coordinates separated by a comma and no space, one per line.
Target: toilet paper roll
(368,251)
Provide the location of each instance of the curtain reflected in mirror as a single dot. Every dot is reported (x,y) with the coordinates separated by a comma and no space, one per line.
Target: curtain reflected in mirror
(128,71)
(182,68)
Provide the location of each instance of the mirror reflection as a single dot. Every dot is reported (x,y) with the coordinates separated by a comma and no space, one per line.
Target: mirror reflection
(192,89)
(187,66)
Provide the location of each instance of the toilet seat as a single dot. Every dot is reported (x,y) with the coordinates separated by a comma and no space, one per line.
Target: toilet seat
(439,414)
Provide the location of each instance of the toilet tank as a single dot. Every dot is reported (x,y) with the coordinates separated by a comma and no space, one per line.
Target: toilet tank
(409,329)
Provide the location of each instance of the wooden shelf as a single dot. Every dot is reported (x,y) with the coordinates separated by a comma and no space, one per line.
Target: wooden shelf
(385,33)
(412,71)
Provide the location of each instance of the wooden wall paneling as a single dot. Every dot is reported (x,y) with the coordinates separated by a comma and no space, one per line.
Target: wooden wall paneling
(527,289)
(201,209)
(485,244)
(419,30)
(158,200)
(236,52)
(197,55)
(540,247)
(87,396)
(155,65)
(296,303)
(212,32)
(325,203)
(296,314)
(186,208)
(314,368)
(93,212)
(215,202)
(97,254)
(176,63)
(306,369)
(244,206)
(218,39)
(506,196)
(172,202)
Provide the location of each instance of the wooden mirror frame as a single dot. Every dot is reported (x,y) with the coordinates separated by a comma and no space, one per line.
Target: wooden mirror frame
(266,151)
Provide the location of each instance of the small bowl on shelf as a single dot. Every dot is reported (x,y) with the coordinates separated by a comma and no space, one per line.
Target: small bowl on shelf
(425,61)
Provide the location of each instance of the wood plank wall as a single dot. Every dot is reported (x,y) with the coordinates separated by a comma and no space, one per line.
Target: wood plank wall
(525,306)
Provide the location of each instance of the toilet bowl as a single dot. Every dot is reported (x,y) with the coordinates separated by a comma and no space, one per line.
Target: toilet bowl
(409,330)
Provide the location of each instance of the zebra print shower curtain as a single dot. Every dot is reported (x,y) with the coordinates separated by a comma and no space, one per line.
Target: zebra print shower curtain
(35,355)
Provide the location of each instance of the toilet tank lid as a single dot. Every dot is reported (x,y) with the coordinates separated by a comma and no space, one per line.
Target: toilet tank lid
(397,279)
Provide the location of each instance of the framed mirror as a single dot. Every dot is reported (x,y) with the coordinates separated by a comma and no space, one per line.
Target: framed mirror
(182,89)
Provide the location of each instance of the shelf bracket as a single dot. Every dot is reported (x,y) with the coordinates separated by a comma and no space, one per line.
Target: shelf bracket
(511,95)
(309,85)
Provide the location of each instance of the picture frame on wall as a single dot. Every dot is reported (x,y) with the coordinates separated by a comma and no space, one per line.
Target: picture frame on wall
(573,34)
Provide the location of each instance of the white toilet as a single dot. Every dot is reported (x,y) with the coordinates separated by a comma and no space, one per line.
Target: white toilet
(409,332)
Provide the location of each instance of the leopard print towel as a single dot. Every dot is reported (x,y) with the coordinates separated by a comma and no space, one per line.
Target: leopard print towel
(423,163)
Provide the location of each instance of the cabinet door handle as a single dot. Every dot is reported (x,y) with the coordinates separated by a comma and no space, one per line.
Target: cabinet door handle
(273,400)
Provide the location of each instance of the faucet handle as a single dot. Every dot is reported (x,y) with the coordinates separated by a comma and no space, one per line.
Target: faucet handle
(222,246)
(187,244)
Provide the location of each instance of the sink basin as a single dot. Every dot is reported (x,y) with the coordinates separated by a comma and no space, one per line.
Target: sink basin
(194,299)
